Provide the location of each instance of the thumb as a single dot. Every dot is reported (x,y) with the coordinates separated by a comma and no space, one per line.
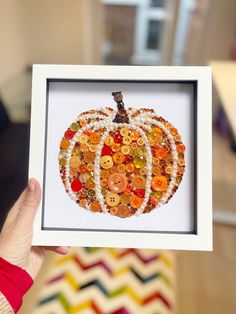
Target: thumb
(28,206)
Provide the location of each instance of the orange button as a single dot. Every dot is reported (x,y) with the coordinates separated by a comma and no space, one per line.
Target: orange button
(106,162)
(113,210)
(140,141)
(173,131)
(118,158)
(156,171)
(115,147)
(181,162)
(64,144)
(83,122)
(112,199)
(135,201)
(139,181)
(121,168)
(95,138)
(84,147)
(161,153)
(92,148)
(90,167)
(95,207)
(89,157)
(177,138)
(180,148)
(89,184)
(134,135)
(74,162)
(104,174)
(117,182)
(130,168)
(82,169)
(168,169)
(103,183)
(159,183)
(83,202)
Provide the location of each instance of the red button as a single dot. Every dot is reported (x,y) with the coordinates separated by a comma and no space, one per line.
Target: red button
(106,150)
(76,185)
(69,134)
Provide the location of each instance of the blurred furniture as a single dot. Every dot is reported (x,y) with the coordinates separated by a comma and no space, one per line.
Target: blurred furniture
(224,78)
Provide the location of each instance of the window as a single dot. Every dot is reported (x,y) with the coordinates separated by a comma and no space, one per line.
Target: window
(157,3)
(153,36)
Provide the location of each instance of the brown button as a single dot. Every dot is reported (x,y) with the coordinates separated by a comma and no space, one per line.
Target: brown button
(117,182)
(123,211)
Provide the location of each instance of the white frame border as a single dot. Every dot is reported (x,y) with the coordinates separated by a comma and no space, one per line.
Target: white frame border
(202,240)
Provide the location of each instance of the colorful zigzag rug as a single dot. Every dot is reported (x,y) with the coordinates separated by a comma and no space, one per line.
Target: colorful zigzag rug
(110,281)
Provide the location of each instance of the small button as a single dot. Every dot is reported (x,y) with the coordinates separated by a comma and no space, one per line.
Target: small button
(140,192)
(109,141)
(92,148)
(82,169)
(121,168)
(177,138)
(103,183)
(84,147)
(135,201)
(83,122)
(64,143)
(125,149)
(115,147)
(129,168)
(95,207)
(173,131)
(140,141)
(181,170)
(124,199)
(106,162)
(104,174)
(90,167)
(112,199)
(180,148)
(62,162)
(123,211)
(89,184)
(127,140)
(95,138)
(156,171)
(118,158)
(91,193)
(124,131)
(83,202)
(83,138)
(74,127)
(168,169)
(139,181)
(134,146)
(74,162)
(127,191)
(134,135)
(117,182)
(113,210)
(118,138)
(143,171)
(159,183)
(69,134)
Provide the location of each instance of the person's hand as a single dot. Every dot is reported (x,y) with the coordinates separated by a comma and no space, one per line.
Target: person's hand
(16,235)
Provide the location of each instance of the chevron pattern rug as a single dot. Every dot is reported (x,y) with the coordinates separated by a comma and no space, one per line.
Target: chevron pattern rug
(110,281)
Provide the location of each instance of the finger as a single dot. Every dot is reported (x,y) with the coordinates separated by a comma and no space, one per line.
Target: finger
(63,250)
(29,205)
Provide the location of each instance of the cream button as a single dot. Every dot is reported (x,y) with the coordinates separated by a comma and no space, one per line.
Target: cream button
(106,162)
(117,182)
(112,199)
(109,141)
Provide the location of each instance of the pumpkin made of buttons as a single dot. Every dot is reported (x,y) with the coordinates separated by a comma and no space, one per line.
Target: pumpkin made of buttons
(122,166)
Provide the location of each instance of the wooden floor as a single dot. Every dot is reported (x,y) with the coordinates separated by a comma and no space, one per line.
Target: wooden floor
(207,280)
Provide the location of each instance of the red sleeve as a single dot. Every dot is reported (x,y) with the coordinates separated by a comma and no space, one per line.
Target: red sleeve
(14,283)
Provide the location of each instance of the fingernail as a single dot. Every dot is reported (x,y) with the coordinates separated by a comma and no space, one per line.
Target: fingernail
(31,186)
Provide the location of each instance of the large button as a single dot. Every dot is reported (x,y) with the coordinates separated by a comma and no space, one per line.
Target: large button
(139,181)
(123,211)
(112,199)
(95,138)
(159,183)
(75,162)
(76,185)
(106,162)
(109,141)
(135,201)
(117,182)
(118,158)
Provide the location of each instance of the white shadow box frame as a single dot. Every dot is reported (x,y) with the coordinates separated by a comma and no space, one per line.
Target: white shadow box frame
(182,95)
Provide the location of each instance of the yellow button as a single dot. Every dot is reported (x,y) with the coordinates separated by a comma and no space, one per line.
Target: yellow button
(159,183)
(140,141)
(130,168)
(124,199)
(83,139)
(112,199)
(95,138)
(115,147)
(124,131)
(125,149)
(134,135)
(118,158)
(83,122)
(117,182)
(109,141)
(75,162)
(106,162)
(127,140)
(139,181)
(92,148)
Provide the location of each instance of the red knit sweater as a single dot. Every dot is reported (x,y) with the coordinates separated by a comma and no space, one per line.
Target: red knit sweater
(14,283)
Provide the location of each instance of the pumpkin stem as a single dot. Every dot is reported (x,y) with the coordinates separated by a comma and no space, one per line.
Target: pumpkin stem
(121,115)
